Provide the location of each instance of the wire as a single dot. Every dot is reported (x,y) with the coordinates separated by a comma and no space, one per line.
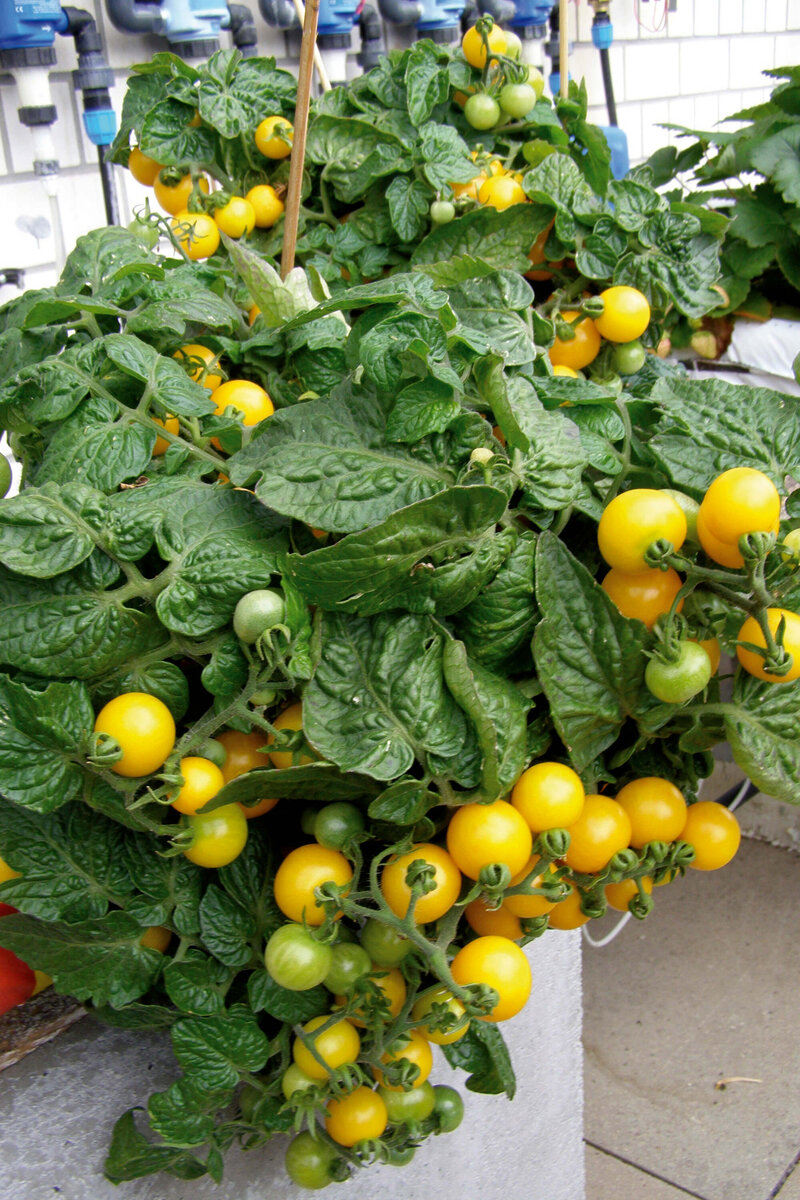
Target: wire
(609,937)
(659,23)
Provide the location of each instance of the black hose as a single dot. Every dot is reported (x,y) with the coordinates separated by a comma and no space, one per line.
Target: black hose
(611,104)
(243,30)
(109,188)
(727,798)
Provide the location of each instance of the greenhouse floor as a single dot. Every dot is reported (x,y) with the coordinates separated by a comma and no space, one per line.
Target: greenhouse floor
(705,990)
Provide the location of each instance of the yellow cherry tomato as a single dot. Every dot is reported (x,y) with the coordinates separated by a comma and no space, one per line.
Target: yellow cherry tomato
(218,837)
(567,914)
(144,728)
(601,830)
(236,218)
(337,1045)
(579,351)
(501,192)
(500,963)
(292,719)
(274,137)
(474,50)
(480,834)
(172,425)
(391,983)
(415,1049)
(742,500)
(174,197)
(499,921)
(751,632)
(202,779)
(248,398)
(356,1117)
(714,833)
(7,872)
(42,981)
(633,521)
(197,234)
(656,808)
(303,870)
(430,905)
(626,314)
(143,169)
(199,361)
(645,595)
(157,937)
(267,205)
(566,372)
(439,1001)
(529,906)
(549,795)
(619,895)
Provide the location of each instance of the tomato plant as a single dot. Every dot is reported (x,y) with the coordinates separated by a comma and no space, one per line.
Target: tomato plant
(357,1117)
(196,234)
(677,680)
(237,217)
(473,46)
(713,832)
(625,316)
(417,469)
(482,111)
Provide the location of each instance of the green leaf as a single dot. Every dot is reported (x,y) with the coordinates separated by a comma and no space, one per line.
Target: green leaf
(320,780)
(131,1156)
(727,426)
(101,444)
(71,863)
(482,1051)
(497,710)
(213,1050)
(382,350)
(354,153)
(378,697)
(168,888)
(426,81)
(403,562)
(589,658)
(487,320)
(162,679)
(167,137)
(197,984)
(44,531)
(497,623)
(265,995)
(71,626)
(445,156)
(101,260)
(408,200)
(761,726)
(180,1114)
(778,157)
(235,101)
(421,408)
(403,803)
(327,463)
(166,379)
(500,239)
(99,960)
(228,929)
(41,733)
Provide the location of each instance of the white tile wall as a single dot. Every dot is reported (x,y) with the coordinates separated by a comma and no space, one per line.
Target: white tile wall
(691,66)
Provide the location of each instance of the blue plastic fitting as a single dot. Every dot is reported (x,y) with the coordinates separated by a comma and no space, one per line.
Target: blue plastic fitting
(440,14)
(101,126)
(337,16)
(618,145)
(29,23)
(530,12)
(602,35)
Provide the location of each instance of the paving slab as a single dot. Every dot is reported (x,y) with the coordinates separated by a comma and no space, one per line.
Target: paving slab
(705,989)
(609,1178)
(58,1106)
(791,1188)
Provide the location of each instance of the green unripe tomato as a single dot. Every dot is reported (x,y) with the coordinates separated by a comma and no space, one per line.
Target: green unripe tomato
(448,1107)
(482,111)
(401,1156)
(336,824)
(263,697)
(307,818)
(147,234)
(629,357)
(5,475)
(404,1107)
(295,959)
(349,962)
(248,1099)
(384,945)
(294,1080)
(442,212)
(257,612)
(790,546)
(690,508)
(309,1161)
(536,80)
(513,44)
(214,751)
(517,99)
(678,681)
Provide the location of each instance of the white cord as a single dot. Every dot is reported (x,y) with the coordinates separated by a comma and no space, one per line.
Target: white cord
(740,795)
(609,937)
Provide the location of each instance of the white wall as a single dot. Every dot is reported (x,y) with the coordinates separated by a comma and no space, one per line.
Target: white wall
(703,64)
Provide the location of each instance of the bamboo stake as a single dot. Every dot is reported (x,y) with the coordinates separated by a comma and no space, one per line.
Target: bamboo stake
(563,46)
(292,216)
(324,81)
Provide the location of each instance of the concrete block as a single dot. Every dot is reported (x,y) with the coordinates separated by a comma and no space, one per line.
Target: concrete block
(749,58)
(731,16)
(793,15)
(58,1106)
(754,16)
(704,66)
(651,70)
